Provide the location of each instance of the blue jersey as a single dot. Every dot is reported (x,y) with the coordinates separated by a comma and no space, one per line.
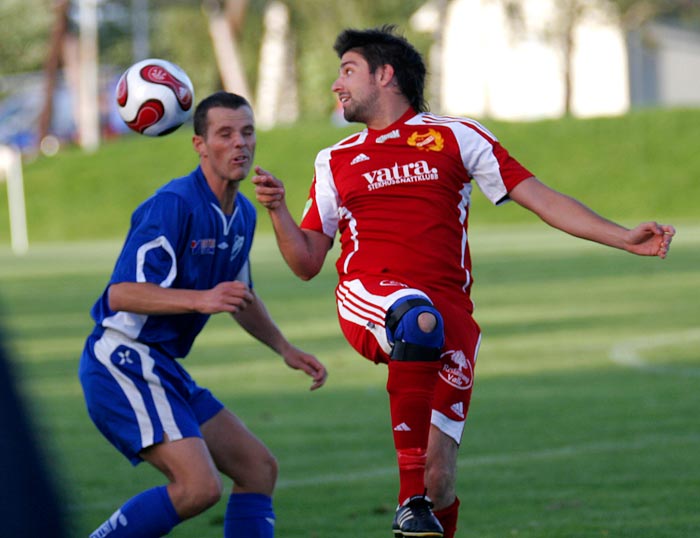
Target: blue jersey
(179,238)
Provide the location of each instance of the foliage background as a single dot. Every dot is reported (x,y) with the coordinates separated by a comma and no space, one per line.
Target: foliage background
(179,32)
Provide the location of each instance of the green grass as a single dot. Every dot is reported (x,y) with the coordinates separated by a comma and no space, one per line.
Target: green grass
(584,417)
(640,166)
(583,423)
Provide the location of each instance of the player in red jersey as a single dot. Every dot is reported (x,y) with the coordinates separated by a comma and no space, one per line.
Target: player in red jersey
(398,195)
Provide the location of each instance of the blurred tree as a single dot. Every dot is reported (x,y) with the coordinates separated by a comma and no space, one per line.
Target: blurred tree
(59,28)
(318,22)
(24,27)
(634,13)
(567,15)
(178,31)
(225,20)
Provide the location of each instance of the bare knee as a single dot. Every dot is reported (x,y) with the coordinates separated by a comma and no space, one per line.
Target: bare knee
(427,322)
(240,455)
(271,470)
(260,476)
(195,495)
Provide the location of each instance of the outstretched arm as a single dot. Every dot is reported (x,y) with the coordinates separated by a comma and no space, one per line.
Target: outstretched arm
(571,216)
(257,321)
(303,250)
(151,299)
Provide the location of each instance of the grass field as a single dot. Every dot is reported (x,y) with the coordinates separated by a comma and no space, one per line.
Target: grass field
(584,421)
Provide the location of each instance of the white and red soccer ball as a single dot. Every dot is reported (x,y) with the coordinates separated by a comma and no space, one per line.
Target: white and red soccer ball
(154,97)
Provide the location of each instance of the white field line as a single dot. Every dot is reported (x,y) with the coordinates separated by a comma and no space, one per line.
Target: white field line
(628,352)
(471,462)
(466,461)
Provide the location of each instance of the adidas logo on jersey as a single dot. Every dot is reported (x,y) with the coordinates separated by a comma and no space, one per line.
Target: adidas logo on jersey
(403,427)
(458,409)
(361,157)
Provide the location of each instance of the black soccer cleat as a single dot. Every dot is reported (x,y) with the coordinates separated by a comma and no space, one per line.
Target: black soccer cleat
(415,519)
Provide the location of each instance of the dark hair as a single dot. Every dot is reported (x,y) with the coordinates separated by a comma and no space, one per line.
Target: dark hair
(218,99)
(382,46)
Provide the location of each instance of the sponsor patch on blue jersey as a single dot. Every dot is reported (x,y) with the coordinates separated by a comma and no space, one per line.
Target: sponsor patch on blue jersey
(203,246)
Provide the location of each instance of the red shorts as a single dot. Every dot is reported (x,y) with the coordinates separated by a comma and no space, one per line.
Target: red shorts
(362,306)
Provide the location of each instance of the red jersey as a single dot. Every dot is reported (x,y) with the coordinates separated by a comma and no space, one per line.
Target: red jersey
(399,198)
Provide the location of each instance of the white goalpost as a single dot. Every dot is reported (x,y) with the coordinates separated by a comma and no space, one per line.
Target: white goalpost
(11,170)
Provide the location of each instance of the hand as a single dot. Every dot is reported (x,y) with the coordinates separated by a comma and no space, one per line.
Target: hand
(300,360)
(269,190)
(230,297)
(650,239)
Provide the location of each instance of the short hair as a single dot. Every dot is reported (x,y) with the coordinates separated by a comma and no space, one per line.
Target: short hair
(217,99)
(382,46)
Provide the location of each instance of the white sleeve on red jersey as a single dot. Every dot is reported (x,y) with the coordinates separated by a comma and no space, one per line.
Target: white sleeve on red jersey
(321,211)
(487,162)
(490,165)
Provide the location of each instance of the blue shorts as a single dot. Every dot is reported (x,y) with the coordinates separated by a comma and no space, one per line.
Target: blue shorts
(136,396)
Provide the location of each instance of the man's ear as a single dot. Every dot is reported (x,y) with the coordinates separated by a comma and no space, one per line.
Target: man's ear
(198,145)
(385,75)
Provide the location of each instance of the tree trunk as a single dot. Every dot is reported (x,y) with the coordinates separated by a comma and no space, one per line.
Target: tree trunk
(58,32)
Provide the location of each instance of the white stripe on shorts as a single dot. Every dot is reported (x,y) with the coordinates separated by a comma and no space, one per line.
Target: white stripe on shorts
(104,348)
(359,306)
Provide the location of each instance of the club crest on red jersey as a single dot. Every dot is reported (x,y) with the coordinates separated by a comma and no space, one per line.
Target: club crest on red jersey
(430,141)
(457,370)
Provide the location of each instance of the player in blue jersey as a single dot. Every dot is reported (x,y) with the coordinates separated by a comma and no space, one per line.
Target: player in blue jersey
(185,258)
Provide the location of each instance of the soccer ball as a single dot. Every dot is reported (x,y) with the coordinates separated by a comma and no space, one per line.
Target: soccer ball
(154,97)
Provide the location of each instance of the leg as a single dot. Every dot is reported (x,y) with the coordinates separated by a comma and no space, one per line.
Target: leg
(450,409)
(193,487)
(241,456)
(387,321)
(194,483)
(416,328)
(441,477)
(441,468)
(120,377)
